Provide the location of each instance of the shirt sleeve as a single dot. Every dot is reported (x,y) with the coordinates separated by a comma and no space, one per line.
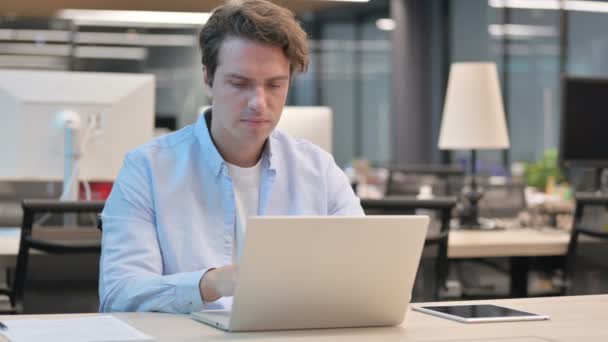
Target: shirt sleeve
(131,267)
(342,200)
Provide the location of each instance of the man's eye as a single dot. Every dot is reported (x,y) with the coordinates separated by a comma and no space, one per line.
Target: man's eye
(238,84)
(274,86)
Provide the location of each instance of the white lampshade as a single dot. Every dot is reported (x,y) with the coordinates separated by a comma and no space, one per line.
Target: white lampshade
(473,114)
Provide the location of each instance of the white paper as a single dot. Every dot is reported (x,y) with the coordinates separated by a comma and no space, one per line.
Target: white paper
(84,329)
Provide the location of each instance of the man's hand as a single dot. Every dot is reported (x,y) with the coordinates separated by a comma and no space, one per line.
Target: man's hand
(218,282)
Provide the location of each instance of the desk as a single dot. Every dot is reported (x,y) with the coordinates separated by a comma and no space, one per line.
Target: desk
(580,318)
(525,242)
(519,245)
(463,244)
(10,237)
(9,246)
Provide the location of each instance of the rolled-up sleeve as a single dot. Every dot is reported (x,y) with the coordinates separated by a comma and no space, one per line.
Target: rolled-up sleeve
(131,266)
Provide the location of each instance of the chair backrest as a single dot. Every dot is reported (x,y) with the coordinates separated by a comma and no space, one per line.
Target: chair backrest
(405,180)
(53,240)
(404,205)
(502,200)
(12,192)
(581,227)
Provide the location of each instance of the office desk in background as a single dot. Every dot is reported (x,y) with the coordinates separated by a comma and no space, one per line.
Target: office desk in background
(463,244)
(524,242)
(519,245)
(9,246)
(580,318)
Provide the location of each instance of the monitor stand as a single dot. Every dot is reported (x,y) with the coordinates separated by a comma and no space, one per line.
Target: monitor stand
(71,155)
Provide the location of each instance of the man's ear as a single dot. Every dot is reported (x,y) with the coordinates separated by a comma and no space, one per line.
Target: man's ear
(207,82)
(206,76)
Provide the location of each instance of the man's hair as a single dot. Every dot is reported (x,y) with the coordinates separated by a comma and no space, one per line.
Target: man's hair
(258,21)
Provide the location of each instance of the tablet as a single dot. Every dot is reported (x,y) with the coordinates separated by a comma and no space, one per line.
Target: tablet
(480,313)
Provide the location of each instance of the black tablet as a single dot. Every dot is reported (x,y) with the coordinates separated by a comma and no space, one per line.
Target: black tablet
(479,313)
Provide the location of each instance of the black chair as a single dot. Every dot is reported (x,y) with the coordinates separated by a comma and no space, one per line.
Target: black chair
(580,228)
(51,240)
(403,205)
(505,200)
(501,203)
(405,180)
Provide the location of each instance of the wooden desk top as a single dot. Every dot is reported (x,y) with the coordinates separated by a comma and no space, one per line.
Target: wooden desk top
(9,245)
(462,243)
(508,242)
(580,318)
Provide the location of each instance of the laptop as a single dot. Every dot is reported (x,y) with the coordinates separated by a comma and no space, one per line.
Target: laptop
(300,272)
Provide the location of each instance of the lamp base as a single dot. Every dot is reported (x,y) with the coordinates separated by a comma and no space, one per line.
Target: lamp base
(479,224)
(468,208)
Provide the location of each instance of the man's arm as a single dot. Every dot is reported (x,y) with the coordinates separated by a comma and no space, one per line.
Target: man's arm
(131,266)
(341,197)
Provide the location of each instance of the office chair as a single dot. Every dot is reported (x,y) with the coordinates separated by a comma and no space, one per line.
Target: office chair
(404,205)
(405,180)
(501,203)
(504,200)
(573,281)
(13,192)
(51,240)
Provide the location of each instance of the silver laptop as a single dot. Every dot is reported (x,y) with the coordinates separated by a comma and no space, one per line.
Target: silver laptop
(323,272)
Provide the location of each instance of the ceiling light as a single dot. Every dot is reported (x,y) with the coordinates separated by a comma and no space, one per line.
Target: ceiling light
(512,30)
(133,18)
(110,52)
(385,24)
(35,35)
(570,5)
(526,4)
(587,6)
(129,38)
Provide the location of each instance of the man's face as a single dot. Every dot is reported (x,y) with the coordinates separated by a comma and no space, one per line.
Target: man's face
(249,91)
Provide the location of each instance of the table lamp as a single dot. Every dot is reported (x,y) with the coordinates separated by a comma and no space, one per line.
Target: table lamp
(473,119)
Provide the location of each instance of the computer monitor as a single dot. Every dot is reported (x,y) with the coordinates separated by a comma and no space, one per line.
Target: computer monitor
(314,124)
(311,123)
(584,122)
(116,112)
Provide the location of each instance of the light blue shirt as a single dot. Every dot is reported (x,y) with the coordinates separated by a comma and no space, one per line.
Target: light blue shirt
(171,214)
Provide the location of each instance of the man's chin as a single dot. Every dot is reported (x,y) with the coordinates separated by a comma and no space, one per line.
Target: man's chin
(257,135)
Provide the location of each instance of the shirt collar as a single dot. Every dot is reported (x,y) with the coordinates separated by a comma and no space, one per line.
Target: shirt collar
(212,156)
(268,155)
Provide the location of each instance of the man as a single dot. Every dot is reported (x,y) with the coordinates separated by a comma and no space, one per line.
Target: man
(174,224)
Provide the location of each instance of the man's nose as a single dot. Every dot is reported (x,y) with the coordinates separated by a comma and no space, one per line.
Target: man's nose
(257,101)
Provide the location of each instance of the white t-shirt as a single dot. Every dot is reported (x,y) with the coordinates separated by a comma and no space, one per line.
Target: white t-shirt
(246,184)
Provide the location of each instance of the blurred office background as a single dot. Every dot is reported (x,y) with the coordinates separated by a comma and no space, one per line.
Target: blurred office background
(358,50)
(382,66)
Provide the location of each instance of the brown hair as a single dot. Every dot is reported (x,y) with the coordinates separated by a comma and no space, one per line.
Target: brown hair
(256,20)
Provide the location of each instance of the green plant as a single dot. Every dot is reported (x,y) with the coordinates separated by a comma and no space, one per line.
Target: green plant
(537,174)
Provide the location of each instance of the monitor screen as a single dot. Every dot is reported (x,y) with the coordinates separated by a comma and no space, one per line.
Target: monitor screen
(314,124)
(116,112)
(584,124)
